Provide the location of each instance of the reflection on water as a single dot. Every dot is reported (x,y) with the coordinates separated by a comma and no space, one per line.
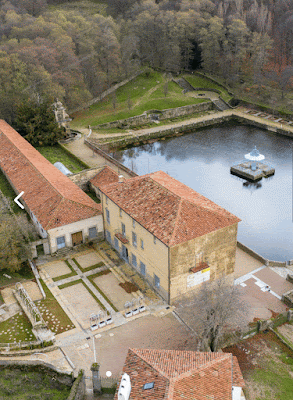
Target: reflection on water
(202,160)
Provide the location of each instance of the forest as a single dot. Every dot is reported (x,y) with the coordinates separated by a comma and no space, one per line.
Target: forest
(74,50)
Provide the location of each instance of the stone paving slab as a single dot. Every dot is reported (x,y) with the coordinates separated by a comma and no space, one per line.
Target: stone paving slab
(109,284)
(278,284)
(87,260)
(245,263)
(82,301)
(56,268)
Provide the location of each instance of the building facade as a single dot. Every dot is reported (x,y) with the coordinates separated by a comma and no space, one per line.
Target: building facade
(174,237)
(62,213)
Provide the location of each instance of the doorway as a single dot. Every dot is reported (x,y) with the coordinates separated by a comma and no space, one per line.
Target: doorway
(76,238)
(125,253)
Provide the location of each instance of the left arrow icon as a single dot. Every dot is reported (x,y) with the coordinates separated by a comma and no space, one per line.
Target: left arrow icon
(17,202)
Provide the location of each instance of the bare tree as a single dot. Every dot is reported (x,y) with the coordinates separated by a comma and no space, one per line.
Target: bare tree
(221,309)
(215,310)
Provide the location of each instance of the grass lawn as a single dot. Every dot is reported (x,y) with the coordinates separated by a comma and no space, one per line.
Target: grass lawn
(25,273)
(145,93)
(57,320)
(267,367)
(199,81)
(8,192)
(15,329)
(57,153)
(31,383)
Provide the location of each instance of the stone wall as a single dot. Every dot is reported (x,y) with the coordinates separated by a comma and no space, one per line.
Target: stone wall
(106,93)
(219,252)
(82,178)
(78,389)
(251,252)
(146,117)
(110,161)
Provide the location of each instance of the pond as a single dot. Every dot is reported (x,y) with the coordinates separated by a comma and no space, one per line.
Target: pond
(202,160)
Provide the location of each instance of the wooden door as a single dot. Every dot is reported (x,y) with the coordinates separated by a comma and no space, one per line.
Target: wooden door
(76,238)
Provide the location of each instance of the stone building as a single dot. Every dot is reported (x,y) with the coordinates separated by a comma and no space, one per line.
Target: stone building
(173,236)
(157,374)
(62,213)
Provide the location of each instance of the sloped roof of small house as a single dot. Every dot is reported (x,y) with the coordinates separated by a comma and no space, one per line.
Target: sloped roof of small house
(51,196)
(170,210)
(104,177)
(179,375)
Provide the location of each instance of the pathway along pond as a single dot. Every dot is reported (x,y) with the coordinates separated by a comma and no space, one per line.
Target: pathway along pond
(202,160)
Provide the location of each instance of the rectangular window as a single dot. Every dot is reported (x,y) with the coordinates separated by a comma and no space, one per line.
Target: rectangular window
(134,242)
(142,268)
(92,232)
(133,223)
(120,212)
(106,199)
(108,216)
(116,243)
(60,242)
(123,229)
(141,244)
(154,240)
(157,281)
(134,262)
(108,236)
(198,259)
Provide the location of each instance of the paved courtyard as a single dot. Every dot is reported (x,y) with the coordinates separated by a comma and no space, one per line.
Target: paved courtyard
(82,301)
(88,259)
(109,284)
(56,268)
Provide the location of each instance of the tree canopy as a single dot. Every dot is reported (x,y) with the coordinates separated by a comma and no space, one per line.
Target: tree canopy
(36,122)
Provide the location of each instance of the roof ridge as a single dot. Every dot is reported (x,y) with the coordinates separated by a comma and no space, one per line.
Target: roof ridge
(55,210)
(151,365)
(176,220)
(201,367)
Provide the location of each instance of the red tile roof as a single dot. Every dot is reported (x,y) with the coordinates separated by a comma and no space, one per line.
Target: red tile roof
(105,176)
(167,208)
(181,375)
(50,195)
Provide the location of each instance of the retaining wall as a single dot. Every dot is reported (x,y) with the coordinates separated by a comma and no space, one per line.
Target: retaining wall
(82,178)
(145,118)
(110,159)
(105,93)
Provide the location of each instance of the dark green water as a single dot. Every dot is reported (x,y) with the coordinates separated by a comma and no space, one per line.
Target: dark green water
(202,160)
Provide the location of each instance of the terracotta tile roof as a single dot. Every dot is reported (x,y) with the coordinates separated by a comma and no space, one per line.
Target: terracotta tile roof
(181,375)
(50,195)
(167,208)
(105,176)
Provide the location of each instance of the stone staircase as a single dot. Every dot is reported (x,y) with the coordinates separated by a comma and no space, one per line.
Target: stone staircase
(184,84)
(220,104)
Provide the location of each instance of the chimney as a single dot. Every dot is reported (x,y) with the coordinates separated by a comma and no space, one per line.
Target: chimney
(121,178)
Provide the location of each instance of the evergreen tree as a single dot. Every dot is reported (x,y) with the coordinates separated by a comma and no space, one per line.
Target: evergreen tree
(37,124)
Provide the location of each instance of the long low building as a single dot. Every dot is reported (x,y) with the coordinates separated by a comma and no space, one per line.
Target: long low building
(62,213)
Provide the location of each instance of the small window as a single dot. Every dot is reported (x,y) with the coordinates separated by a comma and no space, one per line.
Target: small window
(116,243)
(92,232)
(134,242)
(148,385)
(134,261)
(141,244)
(142,268)
(154,240)
(106,199)
(133,223)
(157,281)
(120,212)
(123,228)
(108,216)
(60,242)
